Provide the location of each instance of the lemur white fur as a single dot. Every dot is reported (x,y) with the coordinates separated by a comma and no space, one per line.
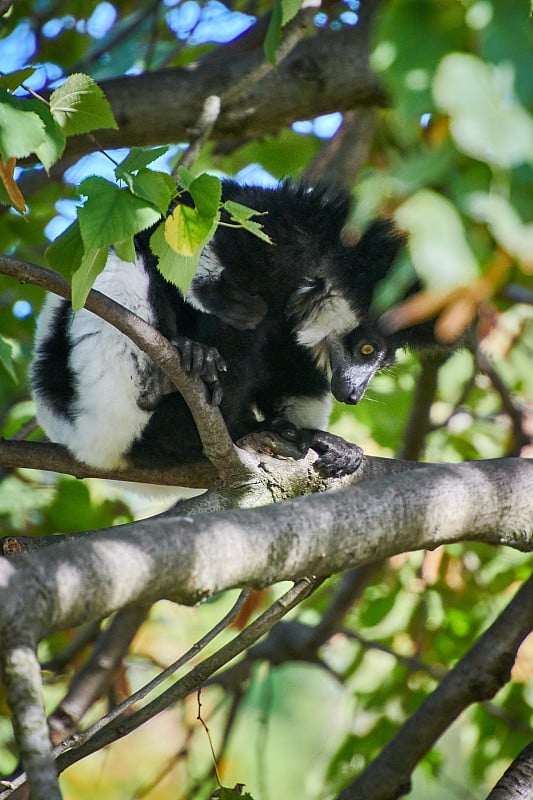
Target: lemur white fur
(307,412)
(108,368)
(332,317)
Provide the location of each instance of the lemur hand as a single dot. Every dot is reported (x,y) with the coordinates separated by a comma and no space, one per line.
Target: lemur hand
(202,362)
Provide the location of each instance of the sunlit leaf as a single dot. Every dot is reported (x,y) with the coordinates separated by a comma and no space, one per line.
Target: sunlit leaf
(486,119)
(437,242)
(186,230)
(138,158)
(176,268)
(21,132)
(79,106)
(111,214)
(53,144)
(92,264)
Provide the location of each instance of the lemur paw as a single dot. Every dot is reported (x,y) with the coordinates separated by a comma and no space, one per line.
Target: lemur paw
(336,457)
(203,362)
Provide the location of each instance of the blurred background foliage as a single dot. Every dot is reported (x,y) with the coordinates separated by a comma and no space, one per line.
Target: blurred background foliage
(451,157)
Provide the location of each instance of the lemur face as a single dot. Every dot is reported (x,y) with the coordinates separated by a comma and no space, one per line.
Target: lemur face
(343,344)
(353,361)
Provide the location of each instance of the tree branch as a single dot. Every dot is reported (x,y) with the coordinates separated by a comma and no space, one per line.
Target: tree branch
(418,424)
(307,83)
(56,458)
(185,558)
(477,676)
(99,736)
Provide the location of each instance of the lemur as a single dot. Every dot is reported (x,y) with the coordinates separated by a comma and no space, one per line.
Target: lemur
(272,329)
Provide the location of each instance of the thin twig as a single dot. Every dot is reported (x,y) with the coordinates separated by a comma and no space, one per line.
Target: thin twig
(94,678)
(99,736)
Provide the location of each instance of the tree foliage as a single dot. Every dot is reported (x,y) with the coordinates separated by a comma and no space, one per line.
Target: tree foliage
(424,110)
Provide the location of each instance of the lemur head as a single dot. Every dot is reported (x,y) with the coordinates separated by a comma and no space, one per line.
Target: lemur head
(331,312)
(311,278)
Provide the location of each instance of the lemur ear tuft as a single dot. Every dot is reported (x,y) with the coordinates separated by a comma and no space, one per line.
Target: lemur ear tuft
(321,210)
(378,247)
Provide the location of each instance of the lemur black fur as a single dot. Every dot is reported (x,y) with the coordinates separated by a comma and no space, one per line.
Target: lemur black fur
(288,321)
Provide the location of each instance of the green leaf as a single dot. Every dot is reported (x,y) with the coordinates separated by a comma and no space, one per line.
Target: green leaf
(65,254)
(486,120)
(289,9)
(239,212)
(7,357)
(273,33)
(438,245)
(176,268)
(126,250)
(21,132)
(111,214)
(157,188)
(91,266)
(138,158)
(242,214)
(186,230)
(79,106)
(13,80)
(54,141)
(206,191)
(185,178)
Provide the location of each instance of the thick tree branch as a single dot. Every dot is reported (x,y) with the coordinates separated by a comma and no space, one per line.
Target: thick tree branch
(185,559)
(22,680)
(307,83)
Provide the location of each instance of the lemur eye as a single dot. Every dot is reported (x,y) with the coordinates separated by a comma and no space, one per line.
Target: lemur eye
(367,349)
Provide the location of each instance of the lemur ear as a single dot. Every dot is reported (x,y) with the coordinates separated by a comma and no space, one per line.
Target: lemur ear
(378,247)
(331,205)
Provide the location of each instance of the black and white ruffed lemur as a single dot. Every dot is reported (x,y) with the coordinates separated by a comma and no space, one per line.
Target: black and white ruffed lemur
(271,328)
